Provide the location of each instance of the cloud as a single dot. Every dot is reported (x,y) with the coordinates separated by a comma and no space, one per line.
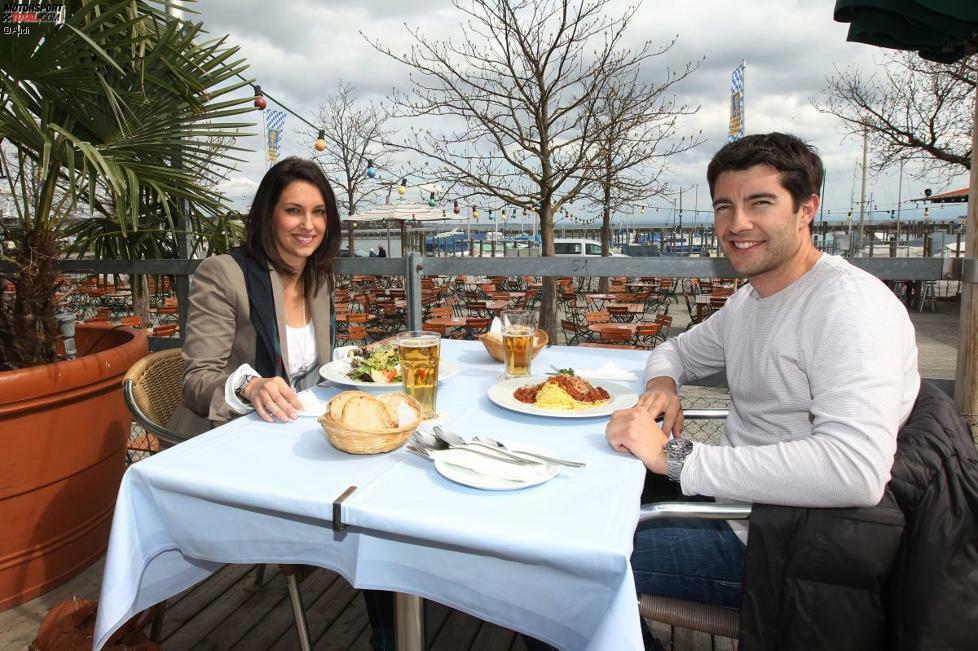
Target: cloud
(299,49)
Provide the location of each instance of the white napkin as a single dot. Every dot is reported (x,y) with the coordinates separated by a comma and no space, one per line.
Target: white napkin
(405,414)
(496,327)
(312,406)
(485,465)
(343,352)
(609,371)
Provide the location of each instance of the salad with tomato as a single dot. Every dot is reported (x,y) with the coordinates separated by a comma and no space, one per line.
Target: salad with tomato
(379,364)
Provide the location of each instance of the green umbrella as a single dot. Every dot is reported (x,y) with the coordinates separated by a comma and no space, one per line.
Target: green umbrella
(941,30)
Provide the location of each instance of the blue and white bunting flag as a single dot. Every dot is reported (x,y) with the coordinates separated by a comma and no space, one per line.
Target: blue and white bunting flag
(274,125)
(737,103)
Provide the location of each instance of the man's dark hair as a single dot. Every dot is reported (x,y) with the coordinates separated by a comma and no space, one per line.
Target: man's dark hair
(801,168)
(260,231)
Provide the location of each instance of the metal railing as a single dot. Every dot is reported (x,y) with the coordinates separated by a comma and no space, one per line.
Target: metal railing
(414,266)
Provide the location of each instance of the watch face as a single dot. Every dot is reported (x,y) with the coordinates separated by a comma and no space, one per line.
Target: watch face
(679,448)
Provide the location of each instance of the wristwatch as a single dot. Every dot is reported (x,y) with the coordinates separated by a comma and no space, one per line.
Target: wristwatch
(676,452)
(239,387)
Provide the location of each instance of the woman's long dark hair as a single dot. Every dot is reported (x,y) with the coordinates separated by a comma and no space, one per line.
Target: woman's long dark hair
(260,232)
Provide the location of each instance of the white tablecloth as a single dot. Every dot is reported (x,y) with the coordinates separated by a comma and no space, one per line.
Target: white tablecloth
(550,561)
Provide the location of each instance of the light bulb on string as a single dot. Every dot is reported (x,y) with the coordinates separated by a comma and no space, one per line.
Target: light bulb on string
(321,141)
(260,102)
(475,213)
(402,188)
(455,208)
(431,200)
(371,170)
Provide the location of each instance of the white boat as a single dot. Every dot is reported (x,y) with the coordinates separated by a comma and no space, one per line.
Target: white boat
(451,233)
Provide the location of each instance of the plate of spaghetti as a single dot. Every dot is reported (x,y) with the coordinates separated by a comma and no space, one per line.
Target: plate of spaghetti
(563,395)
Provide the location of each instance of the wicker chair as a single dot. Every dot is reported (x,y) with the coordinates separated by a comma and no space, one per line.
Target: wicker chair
(715,620)
(152,392)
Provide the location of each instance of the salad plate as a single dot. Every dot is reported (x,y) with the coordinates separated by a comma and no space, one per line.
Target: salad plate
(377,370)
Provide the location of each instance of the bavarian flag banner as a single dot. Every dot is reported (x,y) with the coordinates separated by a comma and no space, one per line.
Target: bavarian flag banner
(274,124)
(737,103)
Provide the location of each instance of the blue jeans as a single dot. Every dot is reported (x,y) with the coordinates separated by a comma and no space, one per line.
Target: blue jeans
(698,560)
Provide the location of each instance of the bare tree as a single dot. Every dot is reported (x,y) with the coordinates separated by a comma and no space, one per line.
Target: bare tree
(911,108)
(633,148)
(515,104)
(354,131)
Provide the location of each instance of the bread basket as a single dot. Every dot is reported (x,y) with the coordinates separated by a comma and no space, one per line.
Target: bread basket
(361,440)
(493,341)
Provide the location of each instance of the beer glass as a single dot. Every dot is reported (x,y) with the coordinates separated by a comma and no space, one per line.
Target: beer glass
(419,353)
(519,327)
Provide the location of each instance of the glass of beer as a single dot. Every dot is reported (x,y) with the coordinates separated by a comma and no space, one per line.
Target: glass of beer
(519,327)
(419,353)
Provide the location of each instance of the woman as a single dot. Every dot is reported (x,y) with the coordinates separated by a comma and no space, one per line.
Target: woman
(258,327)
(258,324)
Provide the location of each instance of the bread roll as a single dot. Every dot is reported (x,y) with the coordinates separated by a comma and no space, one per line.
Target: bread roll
(366,412)
(335,409)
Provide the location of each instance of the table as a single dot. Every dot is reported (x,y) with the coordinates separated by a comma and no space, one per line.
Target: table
(551,561)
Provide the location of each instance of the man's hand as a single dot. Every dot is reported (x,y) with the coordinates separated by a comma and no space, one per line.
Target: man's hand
(272,398)
(633,430)
(662,398)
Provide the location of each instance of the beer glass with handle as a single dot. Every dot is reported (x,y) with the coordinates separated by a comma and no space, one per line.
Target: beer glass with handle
(419,353)
(519,328)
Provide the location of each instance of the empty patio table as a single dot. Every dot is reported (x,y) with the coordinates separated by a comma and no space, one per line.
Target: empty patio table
(551,561)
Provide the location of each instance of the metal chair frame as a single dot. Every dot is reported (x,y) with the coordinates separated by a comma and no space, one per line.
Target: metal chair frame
(715,620)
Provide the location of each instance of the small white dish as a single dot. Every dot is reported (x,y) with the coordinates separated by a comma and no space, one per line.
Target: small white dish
(475,479)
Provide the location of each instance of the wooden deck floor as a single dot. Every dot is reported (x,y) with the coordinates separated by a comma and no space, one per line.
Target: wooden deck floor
(227,611)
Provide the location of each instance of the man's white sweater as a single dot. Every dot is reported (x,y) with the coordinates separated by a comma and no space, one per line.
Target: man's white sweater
(822,374)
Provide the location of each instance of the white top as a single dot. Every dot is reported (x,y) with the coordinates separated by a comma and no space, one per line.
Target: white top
(822,374)
(301,344)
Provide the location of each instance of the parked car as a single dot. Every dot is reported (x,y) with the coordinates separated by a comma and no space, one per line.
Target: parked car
(572,247)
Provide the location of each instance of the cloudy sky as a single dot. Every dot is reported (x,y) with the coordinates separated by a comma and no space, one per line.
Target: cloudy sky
(299,49)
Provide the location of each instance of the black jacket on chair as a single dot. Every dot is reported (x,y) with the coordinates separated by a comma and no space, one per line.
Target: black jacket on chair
(900,576)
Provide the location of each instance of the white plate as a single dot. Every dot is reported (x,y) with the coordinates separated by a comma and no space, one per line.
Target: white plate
(622,397)
(336,371)
(461,475)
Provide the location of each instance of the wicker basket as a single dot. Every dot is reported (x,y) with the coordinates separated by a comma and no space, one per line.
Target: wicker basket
(494,344)
(367,441)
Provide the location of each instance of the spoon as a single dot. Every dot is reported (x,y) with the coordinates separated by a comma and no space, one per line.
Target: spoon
(500,446)
(433,442)
(455,440)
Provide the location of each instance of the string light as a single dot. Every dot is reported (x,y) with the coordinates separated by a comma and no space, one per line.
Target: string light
(402,188)
(321,141)
(260,102)
(455,208)
(371,170)
(431,200)
(475,213)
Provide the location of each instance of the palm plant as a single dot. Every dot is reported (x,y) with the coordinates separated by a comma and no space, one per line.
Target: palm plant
(123,109)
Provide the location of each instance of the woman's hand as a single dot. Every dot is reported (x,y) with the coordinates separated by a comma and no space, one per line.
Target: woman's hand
(662,398)
(273,399)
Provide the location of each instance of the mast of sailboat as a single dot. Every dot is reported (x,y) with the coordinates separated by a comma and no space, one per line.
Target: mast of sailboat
(899,203)
(862,192)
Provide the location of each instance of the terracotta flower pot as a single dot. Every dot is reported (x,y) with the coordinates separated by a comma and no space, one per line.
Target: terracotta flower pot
(63,433)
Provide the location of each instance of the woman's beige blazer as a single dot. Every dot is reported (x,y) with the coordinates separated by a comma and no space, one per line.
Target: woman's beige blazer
(220,338)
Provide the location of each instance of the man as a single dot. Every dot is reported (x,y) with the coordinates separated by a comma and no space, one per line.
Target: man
(820,359)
